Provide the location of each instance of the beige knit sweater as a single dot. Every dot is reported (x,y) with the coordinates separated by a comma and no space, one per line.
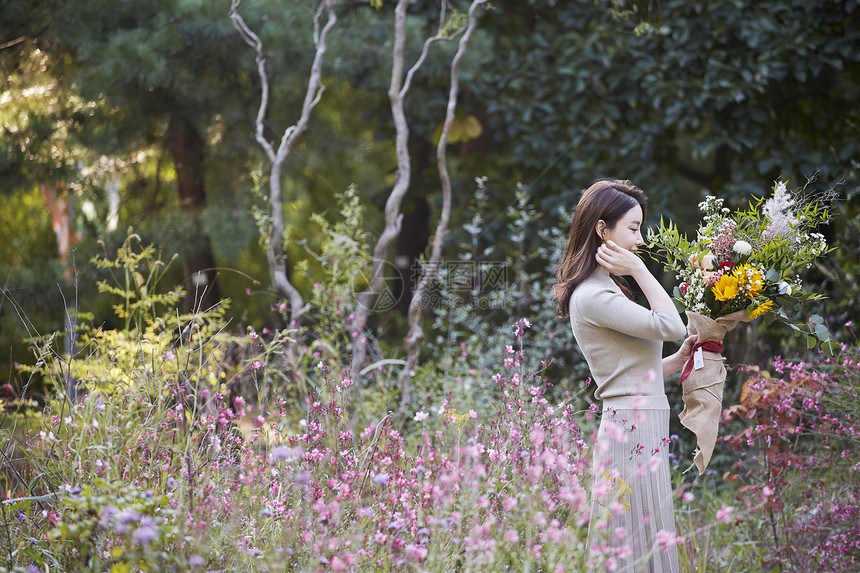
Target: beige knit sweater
(622,343)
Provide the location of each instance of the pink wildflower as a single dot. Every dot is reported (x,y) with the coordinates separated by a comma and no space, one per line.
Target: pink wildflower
(667,539)
(724,513)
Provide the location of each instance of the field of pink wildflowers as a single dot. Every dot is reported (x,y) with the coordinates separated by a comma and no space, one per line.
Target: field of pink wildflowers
(160,476)
(192,448)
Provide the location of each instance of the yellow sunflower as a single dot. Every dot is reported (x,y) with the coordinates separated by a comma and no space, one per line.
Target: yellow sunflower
(761,309)
(726,288)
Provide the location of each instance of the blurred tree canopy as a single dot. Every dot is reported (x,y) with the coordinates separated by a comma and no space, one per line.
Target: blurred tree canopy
(141,114)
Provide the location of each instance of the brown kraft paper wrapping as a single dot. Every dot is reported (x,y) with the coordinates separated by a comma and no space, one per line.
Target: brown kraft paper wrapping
(703,388)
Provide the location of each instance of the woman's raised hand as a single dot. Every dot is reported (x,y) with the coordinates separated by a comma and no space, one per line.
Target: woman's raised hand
(618,261)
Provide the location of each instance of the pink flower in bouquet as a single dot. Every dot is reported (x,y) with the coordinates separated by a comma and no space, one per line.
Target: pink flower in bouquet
(705,264)
(724,240)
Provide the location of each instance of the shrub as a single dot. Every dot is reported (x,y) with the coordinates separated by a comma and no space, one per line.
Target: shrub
(798,457)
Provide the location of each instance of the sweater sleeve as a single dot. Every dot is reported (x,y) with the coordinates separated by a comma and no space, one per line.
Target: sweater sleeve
(608,308)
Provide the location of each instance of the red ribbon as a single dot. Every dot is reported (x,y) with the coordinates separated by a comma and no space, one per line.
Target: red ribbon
(707,346)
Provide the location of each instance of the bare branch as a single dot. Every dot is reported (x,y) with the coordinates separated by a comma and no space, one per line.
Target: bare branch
(275,241)
(420,61)
(254,41)
(11,43)
(315,87)
(416,308)
(393,217)
(397,92)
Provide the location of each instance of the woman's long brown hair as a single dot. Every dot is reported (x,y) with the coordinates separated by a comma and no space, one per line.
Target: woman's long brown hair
(606,200)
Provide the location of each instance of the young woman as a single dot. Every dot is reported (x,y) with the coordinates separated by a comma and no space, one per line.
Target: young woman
(623,345)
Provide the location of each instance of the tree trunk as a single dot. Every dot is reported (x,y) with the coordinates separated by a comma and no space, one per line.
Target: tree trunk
(188,149)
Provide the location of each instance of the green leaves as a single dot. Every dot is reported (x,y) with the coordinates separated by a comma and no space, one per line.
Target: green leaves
(817,332)
(138,284)
(672,248)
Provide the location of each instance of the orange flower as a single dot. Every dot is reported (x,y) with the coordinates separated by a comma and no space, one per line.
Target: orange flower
(761,309)
(726,288)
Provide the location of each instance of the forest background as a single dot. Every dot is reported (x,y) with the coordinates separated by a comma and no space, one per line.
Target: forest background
(101,105)
(124,115)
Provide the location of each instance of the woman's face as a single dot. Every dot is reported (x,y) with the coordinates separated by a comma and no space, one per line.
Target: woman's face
(627,232)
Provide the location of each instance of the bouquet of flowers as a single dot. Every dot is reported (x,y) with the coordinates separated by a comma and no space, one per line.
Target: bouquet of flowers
(741,266)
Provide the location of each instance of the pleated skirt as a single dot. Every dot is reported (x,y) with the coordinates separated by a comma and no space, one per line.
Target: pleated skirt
(632,526)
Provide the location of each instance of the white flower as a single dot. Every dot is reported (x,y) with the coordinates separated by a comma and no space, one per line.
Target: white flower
(784,288)
(422,415)
(742,248)
(779,211)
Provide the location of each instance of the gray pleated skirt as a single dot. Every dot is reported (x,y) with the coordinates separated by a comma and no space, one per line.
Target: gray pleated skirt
(632,526)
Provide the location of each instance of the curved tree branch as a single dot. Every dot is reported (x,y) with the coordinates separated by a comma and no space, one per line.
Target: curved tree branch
(275,241)
(416,306)
(393,217)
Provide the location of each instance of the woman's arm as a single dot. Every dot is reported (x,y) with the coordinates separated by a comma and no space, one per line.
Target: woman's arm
(623,262)
(675,362)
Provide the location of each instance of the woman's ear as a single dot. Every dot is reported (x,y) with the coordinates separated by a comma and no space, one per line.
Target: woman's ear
(600,228)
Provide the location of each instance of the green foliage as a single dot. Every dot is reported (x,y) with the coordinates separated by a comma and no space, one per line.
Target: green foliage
(39,120)
(736,544)
(716,95)
(117,527)
(139,293)
(345,258)
(486,287)
(98,458)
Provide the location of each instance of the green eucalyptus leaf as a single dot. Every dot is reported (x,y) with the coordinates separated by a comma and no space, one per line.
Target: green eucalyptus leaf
(830,347)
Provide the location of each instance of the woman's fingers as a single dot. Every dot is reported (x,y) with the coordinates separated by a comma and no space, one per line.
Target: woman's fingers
(687,345)
(617,260)
(607,257)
